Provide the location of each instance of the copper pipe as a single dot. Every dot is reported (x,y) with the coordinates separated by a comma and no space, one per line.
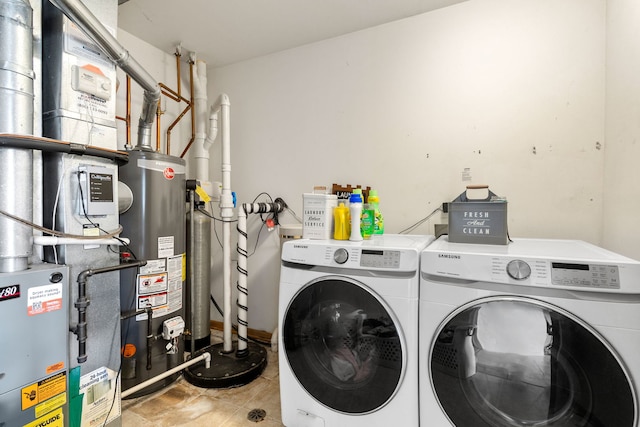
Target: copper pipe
(177,97)
(193,113)
(171,93)
(127,118)
(187,148)
(178,55)
(175,122)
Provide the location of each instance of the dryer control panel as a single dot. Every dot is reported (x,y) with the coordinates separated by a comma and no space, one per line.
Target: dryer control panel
(562,264)
(597,276)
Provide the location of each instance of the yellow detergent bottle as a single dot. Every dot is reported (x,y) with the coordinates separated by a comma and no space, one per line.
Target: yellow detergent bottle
(341,222)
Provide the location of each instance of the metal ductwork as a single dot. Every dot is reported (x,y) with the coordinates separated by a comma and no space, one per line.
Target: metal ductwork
(76,11)
(16,117)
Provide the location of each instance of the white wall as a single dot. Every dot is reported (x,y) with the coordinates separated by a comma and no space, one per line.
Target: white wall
(511,94)
(622,174)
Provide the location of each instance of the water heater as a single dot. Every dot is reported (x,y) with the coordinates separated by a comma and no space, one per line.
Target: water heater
(155,223)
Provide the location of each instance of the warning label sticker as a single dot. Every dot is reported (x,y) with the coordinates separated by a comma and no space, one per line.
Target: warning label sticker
(51,386)
(152,283)
(51,404)
(53,419)
(44,299)
(165,246)
(43,390)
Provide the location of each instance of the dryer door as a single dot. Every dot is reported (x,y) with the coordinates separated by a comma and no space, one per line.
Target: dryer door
(510,361)
(344,345)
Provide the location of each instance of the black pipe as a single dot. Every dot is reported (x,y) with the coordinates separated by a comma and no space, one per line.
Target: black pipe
(149,311)
(80,330)
(30,142)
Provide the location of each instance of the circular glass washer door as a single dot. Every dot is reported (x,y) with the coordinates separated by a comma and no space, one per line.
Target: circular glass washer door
(510,361)
(344,345)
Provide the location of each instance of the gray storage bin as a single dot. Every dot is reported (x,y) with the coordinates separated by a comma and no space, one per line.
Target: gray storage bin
(478,220)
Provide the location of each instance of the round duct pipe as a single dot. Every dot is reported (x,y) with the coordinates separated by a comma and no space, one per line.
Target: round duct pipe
(16,117)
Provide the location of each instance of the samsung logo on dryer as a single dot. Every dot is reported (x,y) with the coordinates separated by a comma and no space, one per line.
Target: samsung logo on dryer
(450,256)
(301,246)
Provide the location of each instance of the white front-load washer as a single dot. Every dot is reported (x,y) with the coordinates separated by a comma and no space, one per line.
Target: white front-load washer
(533,333)
(348,323)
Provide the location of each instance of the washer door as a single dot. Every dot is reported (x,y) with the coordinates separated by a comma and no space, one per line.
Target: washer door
(508,361)
(344,345)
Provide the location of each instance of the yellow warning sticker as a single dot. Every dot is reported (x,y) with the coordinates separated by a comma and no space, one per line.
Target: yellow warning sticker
(43,390)
(184,267)
(52,419)
(52,386)
(29,396)
(51,404)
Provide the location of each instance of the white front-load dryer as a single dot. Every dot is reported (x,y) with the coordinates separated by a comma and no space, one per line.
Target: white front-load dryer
(348,331)
(533,333)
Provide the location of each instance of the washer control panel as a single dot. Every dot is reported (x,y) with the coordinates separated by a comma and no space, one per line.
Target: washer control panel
(596,276)
(378,258)
(368,258)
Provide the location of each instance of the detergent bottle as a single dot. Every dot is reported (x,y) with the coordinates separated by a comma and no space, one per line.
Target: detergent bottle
(367,221)
(341,225)
(374,205)
(355,208)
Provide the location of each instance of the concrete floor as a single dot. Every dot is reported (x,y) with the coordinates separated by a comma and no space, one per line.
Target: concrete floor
(183,404)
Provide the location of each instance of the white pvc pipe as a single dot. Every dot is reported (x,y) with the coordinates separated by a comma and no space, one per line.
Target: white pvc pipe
(202,142)
(243,269)
(223,105)
(53,240)
(206,356)
(242,277)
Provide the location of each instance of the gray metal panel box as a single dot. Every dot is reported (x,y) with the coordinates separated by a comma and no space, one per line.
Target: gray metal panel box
(79,79)
(34,361)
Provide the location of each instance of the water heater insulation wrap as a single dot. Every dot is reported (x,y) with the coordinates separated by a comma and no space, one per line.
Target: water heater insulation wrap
(155,223)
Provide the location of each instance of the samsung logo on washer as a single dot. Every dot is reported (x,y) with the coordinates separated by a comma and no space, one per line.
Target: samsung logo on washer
(450,256)
(301,246)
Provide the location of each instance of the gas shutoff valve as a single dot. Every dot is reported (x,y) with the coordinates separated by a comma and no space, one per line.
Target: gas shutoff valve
(172,328)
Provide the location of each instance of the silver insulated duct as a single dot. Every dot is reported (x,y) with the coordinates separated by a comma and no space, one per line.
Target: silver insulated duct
(16,117)
(76,11)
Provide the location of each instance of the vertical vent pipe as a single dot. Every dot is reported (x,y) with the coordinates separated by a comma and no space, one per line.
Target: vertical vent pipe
(16,117)
(76,11)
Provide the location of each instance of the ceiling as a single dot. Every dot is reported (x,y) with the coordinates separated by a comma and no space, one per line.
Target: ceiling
(222,32)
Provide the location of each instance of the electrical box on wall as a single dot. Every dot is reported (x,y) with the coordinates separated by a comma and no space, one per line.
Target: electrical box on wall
(96,188)
(90,80)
